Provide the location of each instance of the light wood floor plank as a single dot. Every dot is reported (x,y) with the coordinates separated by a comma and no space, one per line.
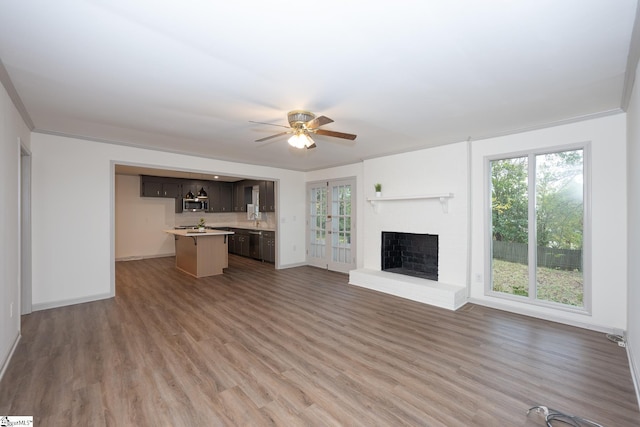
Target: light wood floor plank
(258,346)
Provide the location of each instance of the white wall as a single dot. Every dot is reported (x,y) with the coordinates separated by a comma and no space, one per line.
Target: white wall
(139,221)
(431,171)
(11,128)
(633,194)
(73,249)
(608,207)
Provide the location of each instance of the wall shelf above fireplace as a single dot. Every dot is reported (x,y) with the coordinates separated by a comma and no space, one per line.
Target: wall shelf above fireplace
(443,197)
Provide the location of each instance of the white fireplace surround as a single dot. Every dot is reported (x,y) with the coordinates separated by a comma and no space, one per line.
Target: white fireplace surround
(426,291)
(423,193)
(410,247)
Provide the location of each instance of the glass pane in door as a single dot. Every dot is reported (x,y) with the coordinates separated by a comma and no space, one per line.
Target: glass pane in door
(559,227)
(341,223)
(317,222)
(510,226)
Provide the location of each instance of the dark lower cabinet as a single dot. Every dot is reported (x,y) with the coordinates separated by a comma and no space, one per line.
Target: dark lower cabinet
(239,242)
(268,246)
(255,244)
(260,245)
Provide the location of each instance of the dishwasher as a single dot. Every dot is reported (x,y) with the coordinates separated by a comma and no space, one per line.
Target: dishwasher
(255,244)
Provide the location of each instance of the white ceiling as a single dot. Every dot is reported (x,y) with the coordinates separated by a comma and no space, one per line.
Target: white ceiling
(188,76)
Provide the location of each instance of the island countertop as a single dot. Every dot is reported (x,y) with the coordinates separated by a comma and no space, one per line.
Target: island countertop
(196,233)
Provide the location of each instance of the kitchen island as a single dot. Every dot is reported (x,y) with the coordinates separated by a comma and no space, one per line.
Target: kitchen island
(201,254)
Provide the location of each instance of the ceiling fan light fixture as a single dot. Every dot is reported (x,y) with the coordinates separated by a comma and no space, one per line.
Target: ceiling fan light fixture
(300,140)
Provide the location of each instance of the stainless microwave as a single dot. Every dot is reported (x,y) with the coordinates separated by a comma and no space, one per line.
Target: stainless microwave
(195,205)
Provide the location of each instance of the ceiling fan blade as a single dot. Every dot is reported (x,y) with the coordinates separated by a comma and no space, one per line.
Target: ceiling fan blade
(272,136)
(335,134)
(318,121)
(270,124)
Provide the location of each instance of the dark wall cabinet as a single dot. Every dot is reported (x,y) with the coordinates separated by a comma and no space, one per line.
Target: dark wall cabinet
(267,196)
(223,196)
(241,195)
(220,197)
(152,186)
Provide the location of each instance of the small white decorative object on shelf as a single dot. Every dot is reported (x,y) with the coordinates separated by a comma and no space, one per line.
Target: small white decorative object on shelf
(378,193)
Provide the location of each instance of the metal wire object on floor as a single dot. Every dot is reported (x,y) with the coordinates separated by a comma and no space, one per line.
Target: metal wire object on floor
(551,415)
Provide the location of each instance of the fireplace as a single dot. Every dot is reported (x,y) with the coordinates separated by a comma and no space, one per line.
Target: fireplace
(410,254)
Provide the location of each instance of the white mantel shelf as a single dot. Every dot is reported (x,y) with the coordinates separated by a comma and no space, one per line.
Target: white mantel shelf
(443,197)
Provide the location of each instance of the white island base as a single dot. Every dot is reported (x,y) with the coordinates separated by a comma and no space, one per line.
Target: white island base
(426,291)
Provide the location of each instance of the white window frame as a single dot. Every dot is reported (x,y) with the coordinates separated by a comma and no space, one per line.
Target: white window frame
(586,237)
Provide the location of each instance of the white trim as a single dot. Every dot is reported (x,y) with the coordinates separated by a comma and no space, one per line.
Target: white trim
(24,224)
(294,265)
(71,301)
(5,365)
(544,316)
(141,257)
(635,372)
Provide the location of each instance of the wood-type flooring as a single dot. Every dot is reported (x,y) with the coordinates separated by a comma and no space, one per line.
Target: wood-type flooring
(258,346)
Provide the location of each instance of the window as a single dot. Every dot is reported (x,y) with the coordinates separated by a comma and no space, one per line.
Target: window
(538,217)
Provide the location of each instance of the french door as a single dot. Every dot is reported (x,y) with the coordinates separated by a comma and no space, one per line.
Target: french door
(331,225)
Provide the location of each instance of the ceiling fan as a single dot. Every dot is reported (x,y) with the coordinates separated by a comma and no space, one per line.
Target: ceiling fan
(302,124)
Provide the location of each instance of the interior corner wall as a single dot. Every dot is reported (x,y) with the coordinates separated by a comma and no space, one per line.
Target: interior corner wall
(73,237)
(138,219)
(435,170)
(607,137)
(13,130)
(633,200)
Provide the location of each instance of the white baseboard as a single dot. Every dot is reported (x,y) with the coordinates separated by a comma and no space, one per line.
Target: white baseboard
(72,301)
(544,316)
(5,365)
(635,373)
(285,266)
(139,257)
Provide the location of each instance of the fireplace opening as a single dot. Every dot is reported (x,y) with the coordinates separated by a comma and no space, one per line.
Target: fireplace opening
(410,254)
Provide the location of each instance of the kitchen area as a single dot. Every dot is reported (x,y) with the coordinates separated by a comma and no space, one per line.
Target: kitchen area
(149,205)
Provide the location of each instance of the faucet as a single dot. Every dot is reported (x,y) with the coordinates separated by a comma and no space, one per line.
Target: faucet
(254,215)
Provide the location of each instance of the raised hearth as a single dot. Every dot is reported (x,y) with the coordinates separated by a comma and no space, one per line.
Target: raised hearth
(426,291)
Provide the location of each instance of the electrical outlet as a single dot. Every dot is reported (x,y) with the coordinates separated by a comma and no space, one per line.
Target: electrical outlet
(478,278)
